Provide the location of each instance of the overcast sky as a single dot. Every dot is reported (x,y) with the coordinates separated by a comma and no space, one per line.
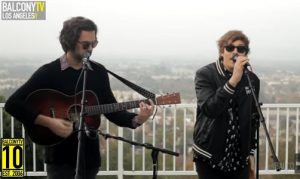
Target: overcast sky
(161,29)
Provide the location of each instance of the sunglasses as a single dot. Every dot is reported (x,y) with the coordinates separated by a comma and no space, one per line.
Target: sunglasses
(86,45)
(240,49)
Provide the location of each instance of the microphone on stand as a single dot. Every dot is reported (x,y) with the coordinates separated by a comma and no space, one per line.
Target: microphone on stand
(85,60)
(86,55)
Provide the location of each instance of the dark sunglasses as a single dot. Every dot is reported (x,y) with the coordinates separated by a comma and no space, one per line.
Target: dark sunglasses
(86,44)
(240,49)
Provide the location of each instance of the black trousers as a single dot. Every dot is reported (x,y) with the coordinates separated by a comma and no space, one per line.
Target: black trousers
(205,171)
(68,172)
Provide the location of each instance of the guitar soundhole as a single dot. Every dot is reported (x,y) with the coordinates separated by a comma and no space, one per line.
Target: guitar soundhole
(74,112)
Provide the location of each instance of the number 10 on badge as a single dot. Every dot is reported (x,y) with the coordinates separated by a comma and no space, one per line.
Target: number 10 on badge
(12,152)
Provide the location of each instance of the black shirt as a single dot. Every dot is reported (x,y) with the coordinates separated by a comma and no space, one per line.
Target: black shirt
(53,76)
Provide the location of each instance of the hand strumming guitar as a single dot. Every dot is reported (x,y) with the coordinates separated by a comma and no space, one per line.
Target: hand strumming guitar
(60,127)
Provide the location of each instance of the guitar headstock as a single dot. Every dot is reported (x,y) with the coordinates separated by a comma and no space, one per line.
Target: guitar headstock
(173,98)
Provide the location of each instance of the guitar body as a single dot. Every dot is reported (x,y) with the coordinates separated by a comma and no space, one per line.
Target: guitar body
(55,104)
(58,105)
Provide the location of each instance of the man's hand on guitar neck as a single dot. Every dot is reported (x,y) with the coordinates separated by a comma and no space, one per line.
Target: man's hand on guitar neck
(60,127)
(145,112)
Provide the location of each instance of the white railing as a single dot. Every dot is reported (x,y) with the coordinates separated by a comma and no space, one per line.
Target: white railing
(172,128)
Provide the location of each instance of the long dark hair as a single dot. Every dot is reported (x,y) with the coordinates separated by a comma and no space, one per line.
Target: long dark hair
(71,31)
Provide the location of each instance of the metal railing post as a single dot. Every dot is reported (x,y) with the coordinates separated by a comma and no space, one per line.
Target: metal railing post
(120,155)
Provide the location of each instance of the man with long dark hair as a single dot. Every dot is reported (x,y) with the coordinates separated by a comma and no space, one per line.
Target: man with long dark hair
(78,37)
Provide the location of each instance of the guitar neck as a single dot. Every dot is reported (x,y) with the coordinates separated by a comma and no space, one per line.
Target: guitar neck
(114,107)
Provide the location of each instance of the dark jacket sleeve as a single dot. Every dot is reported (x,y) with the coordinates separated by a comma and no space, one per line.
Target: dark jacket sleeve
(212,98)
(16,104)
(121,118)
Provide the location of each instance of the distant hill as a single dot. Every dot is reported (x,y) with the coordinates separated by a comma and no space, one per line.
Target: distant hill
(280,80)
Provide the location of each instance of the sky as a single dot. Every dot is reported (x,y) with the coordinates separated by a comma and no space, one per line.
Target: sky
(161,29)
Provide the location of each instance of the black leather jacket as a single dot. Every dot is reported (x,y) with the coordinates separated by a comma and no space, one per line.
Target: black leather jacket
(214,94)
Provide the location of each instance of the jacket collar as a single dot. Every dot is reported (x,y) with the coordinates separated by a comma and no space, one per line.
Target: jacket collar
(221,69)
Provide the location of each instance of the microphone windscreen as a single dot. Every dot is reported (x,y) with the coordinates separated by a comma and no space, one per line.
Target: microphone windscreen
(86,55)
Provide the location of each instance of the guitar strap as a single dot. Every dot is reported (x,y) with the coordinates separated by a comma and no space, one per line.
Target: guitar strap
(133,86)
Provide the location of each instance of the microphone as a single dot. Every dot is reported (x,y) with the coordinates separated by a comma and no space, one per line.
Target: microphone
(85,60)
(235,57)
(86,56)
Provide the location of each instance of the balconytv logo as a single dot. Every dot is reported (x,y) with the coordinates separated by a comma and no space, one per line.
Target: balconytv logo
(23,10)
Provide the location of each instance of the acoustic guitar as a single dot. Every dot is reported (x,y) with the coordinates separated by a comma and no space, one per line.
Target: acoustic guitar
(59,105)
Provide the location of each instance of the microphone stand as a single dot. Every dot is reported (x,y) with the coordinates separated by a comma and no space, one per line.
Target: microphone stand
(262,120)
(80,163)
(154,154)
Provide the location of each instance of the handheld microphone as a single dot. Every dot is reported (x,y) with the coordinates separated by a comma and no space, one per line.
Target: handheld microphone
(235,57)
